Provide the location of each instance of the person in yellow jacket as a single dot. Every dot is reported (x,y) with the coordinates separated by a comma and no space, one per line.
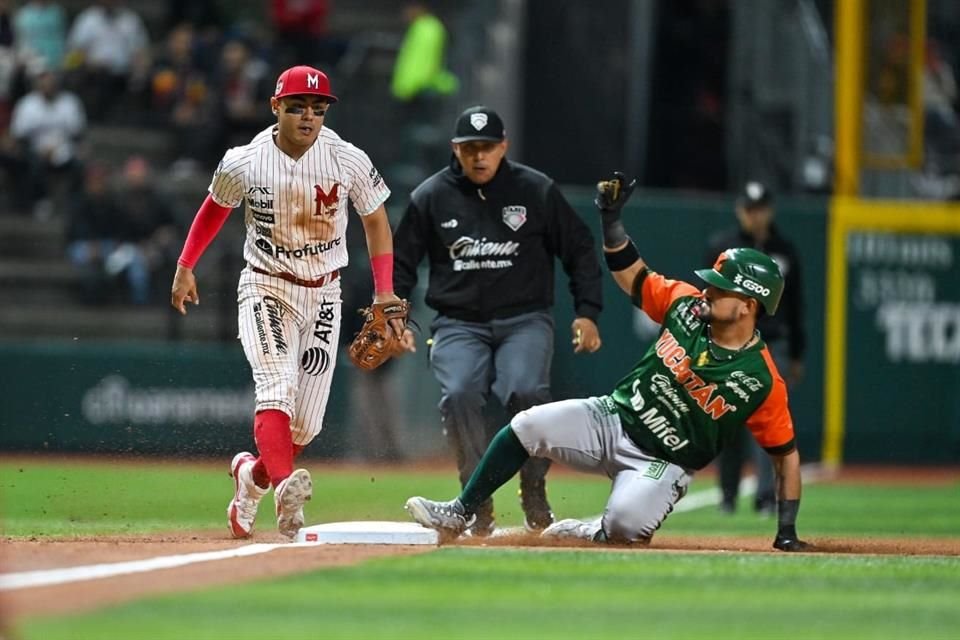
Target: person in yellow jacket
(420,66)
(421,87)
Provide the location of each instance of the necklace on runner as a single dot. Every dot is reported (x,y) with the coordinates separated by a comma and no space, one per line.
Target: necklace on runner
(734,354)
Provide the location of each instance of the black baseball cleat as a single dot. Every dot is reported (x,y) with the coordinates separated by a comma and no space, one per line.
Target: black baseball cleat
(537,512)
(533,495)
(485,523)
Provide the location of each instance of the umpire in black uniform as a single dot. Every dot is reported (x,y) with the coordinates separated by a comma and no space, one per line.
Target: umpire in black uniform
(784,333)
(491,229)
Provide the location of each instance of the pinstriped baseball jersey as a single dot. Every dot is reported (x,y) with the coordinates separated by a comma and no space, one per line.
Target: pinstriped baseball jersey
(296,210)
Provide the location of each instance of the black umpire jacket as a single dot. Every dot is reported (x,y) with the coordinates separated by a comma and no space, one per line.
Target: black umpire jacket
(787,324)
(491,248)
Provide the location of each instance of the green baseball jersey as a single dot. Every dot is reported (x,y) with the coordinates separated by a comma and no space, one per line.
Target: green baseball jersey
(685,399)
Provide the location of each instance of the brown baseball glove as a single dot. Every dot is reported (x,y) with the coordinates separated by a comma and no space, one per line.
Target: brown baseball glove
(374,345)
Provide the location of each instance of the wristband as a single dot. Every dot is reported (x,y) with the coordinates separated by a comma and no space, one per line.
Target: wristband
(622,258)
(382,267)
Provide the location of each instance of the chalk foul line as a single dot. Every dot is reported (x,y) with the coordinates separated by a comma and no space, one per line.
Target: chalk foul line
(53,577)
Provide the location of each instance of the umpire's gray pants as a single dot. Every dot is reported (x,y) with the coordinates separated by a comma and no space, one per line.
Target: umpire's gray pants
(510,357)
(587,435)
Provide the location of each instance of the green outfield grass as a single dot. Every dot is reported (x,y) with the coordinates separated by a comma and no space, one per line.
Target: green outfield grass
(504,593)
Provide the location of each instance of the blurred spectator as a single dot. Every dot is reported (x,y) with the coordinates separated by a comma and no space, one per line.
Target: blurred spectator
(244,90)
(8,63)
(109,44)
(12,173)
(145,229)
(421,83)
(41,28)
(127,235)
(420,69)
(181,97)
(939,177)
(47,124)
(301,33)
(10,165)
(6,25)
(92,232)
(941,125)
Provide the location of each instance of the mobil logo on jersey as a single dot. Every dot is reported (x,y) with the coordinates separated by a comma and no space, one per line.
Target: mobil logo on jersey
(674,357)
(327,201)
(260,198)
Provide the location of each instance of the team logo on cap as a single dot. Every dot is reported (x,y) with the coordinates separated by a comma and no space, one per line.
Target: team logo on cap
(279,87)
(514,216)
(478,120)
(313,81)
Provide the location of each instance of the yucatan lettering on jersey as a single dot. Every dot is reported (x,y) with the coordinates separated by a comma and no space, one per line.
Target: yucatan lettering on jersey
(675,358)
(295,210)
(685,398)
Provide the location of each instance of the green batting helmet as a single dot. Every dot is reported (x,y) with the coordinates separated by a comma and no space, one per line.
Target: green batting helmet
(749,272)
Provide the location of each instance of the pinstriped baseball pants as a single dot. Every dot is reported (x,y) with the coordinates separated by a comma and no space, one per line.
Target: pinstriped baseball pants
(290,335)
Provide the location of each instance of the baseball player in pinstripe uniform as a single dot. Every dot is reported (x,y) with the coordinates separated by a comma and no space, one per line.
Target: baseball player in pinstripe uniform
(295,179)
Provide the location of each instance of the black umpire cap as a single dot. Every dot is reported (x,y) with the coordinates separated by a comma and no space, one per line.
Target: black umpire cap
(755,195)
(479,123)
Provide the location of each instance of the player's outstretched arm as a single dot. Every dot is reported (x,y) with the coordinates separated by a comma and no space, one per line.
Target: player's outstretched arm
(787,468)
(619,251)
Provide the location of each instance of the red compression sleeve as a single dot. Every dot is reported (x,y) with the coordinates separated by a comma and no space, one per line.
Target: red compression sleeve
(206,225)
(382,266)
(271,431)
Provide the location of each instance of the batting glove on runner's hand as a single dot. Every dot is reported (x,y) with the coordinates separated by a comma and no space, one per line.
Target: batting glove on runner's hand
(612,194)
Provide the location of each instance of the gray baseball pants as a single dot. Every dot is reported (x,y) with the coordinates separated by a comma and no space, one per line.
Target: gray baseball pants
(587,435)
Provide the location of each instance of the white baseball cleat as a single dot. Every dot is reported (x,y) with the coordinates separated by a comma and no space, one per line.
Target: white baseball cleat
(242,510)
(289,498)
(573,528)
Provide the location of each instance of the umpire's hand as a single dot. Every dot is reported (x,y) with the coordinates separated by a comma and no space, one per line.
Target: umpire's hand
(586,335)
(184,289)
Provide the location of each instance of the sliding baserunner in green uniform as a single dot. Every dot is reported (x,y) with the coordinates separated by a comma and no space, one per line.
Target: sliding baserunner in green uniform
(708,374)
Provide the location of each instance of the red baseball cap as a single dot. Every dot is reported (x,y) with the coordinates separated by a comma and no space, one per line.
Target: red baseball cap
(303,80)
